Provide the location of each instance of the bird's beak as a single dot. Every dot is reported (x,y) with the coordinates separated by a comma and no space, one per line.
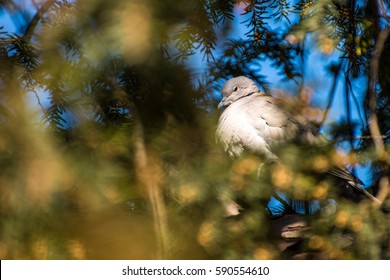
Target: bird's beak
(222,104)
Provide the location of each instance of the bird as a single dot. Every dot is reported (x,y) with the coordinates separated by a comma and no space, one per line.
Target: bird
(253,121)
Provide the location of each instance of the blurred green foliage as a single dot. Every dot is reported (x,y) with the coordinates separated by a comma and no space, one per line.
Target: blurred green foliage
(107,148)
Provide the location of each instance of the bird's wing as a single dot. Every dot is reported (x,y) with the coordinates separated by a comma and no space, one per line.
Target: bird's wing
(277,125)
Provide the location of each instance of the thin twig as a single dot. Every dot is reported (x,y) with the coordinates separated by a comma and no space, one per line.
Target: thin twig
(383,10)
(356,102)
(35,4)
(331,94)
(348,105)
(357,138)
(39,102)
(347,79)
(303,67)
(350,131)
(287,207)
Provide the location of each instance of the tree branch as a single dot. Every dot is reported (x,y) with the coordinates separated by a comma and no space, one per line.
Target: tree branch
(148,173)
(373,118)
(35,20)
(372,82)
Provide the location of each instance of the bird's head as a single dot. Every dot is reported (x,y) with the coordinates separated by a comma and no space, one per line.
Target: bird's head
(236,88)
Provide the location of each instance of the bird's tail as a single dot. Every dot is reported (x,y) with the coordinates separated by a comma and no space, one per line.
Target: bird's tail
(353,185)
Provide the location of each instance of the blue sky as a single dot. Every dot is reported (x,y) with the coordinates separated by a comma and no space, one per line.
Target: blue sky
(6,21)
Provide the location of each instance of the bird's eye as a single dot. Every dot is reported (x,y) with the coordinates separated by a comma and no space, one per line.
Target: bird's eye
(235,88)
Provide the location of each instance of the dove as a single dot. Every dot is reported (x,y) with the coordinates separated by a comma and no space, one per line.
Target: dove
(253,121)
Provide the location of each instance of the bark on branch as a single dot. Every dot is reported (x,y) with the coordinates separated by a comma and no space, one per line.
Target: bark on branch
(373,118)
(35,20)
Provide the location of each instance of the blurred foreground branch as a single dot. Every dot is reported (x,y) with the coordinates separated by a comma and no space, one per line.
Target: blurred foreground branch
(149,174)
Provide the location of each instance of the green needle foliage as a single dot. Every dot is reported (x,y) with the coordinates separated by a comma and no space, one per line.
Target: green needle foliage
(107,146)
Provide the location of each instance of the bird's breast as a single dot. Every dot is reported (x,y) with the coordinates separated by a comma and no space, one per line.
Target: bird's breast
(236,132)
